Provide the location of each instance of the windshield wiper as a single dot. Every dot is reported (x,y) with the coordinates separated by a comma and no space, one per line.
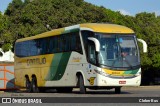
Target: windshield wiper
(128,63)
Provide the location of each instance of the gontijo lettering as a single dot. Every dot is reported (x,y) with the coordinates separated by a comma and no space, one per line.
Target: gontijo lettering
(36,61)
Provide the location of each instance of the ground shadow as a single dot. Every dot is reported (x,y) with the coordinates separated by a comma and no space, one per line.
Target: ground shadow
(95,92)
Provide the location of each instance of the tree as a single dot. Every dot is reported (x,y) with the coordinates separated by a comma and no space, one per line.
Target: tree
(28,18)
(14,7)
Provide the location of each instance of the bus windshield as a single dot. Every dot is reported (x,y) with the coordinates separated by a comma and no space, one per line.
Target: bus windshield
(118,50)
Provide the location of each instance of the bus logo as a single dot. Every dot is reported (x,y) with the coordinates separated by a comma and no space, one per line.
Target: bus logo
(91,80)
(76,59)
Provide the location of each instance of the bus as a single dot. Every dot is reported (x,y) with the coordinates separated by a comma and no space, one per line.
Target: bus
(90,55)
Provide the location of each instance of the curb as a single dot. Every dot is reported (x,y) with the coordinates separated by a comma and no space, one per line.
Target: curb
(156,86)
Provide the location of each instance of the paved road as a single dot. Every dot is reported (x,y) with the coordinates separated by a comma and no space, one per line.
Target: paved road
(143,91)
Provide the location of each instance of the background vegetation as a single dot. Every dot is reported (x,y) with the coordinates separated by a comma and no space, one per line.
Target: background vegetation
(30,17)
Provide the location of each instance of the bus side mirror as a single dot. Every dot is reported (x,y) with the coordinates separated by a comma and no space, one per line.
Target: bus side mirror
(96,42)
(144,45)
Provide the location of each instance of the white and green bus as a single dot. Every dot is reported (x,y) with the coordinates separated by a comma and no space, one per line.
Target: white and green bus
(92,55)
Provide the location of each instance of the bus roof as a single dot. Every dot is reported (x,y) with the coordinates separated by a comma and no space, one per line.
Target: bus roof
(95,27)
(107,28)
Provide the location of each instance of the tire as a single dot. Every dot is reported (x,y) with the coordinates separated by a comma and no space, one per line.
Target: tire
(118,90)
(28,86)
(81,85)
(34,85)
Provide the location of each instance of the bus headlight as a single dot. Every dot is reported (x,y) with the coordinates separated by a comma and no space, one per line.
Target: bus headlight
(138,73)
(101,73)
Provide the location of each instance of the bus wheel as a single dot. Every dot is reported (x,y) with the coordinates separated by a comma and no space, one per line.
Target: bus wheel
(34,85)
(81,85)
(118,90)
(28,85)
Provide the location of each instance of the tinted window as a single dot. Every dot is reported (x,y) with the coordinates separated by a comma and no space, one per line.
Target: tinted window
(55,44)
(22,49)
(33,48)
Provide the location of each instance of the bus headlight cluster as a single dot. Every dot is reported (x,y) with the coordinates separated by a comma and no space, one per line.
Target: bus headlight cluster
(101,73)
(138,73)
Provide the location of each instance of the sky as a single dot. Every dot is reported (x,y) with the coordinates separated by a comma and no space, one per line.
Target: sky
(126,7)
(129,7)
(4,4)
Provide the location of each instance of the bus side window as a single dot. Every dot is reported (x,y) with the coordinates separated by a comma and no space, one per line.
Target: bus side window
(50,45)
(55,44)
(63,43)
(38,46)
(75,42)
(78,44)
(33,48)
(25,49)
(60,44)
(42,49)
(67,43)
(22,49)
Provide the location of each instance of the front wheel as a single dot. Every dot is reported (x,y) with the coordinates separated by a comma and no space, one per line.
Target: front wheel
(81,85)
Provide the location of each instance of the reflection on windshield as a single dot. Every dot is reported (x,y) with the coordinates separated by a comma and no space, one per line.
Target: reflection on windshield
(118,51)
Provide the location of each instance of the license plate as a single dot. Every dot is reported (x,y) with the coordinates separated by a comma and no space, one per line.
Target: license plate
(122,82)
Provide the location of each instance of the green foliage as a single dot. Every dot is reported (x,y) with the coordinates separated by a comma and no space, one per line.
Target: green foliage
(156,60)
(28,18)
(7,47)
(13,7)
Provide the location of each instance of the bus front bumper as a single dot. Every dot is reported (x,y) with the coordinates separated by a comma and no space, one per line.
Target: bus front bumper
(107,81)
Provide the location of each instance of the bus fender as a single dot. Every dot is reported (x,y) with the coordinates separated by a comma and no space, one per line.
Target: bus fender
(81,73)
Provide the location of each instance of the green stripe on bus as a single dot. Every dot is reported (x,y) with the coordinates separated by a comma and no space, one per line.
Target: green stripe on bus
(62,66)
(131,71)
(127,72)
(134,71)
(58,66)
(72,30)
(54,66)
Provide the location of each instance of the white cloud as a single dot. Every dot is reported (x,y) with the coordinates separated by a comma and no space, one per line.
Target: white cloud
(124,12)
